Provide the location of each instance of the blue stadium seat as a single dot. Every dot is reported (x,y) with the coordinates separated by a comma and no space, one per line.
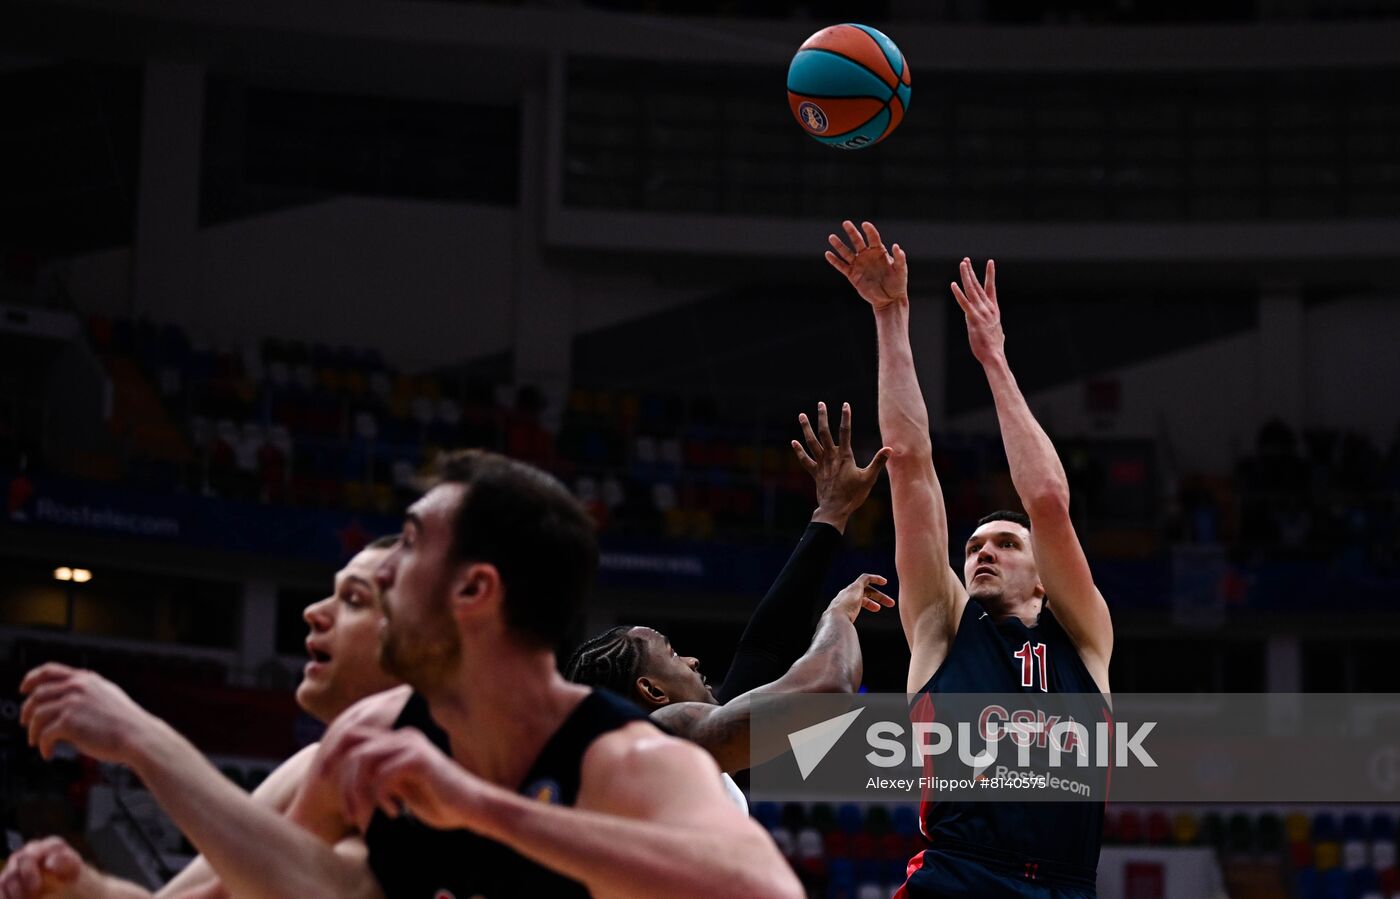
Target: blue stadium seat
(1308,884)
(850,819)
(905,820)
(769,814)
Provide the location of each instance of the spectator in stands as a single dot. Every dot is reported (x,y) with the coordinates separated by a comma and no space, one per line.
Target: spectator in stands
(343,669)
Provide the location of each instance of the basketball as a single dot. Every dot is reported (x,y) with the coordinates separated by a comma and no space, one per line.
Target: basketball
(848,86)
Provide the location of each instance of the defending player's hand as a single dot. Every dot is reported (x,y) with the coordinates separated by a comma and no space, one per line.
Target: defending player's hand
(979,305)
(881,277)
(82,708)
(859,594)
(842,485)
(47,868)
(401,771)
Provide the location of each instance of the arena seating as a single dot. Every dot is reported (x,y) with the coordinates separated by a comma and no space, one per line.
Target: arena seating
(309,425)
(856,852)
(321,426)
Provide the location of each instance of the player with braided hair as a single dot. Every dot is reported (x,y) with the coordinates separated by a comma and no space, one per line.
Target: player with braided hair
(773,655)
(639,663)
(609,660)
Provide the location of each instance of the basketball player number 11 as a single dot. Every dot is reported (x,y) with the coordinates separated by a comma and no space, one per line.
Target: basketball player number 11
(1025,653)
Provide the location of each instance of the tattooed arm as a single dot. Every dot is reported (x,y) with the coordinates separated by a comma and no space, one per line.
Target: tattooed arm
(832,664)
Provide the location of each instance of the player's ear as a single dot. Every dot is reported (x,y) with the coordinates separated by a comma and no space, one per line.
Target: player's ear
(651,692)
(475,585)
(1038,592)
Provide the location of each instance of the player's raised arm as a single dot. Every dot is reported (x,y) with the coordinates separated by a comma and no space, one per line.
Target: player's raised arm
(931,598)
(776,635)
(832,664)
(254,849)
(1040,482)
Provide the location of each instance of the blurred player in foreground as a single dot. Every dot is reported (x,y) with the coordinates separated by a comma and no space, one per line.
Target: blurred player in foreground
(774,655)
(344,668)
(549,788)
(999,633)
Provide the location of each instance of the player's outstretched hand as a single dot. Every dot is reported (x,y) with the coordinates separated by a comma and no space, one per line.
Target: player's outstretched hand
(842,485)
(880,276)
(82,708)
(47,868)
(979,305)
(399,771)
(859,594)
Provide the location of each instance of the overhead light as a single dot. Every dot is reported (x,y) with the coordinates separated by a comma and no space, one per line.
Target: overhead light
(76,575)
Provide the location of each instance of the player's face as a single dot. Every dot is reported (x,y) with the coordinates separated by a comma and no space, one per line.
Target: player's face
(418,640)
(677,675)
(999,568)
(344,642)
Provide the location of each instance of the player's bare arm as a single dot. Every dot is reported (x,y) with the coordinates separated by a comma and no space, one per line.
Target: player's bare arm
(1040,482)
(254,850)
(931,597)
(651,817)
(61,873)
(48,868)
(276,792)
(833,664)
(316,806)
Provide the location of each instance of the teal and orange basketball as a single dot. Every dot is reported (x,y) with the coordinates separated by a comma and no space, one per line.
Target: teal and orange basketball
(848,86)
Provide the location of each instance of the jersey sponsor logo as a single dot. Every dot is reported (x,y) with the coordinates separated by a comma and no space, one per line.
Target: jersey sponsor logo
(544,790)
(1032,727)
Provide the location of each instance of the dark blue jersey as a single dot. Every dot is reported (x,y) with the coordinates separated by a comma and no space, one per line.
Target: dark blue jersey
(413,861)
(1024,848)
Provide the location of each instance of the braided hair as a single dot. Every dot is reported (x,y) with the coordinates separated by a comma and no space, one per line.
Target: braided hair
(611,660)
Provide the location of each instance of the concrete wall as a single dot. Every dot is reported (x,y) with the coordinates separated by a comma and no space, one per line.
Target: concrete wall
(425,283)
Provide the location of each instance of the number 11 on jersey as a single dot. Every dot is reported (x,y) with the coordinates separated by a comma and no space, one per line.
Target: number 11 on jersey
(1028,654)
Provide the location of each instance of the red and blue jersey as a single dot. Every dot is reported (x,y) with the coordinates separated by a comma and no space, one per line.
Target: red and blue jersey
(1008,848)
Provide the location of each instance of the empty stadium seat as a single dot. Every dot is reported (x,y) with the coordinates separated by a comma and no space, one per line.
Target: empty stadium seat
(1186,828)
(850,819)
(769,814)
(1212,832)
(877,820)
(1130,829)
(1240,835)
(1270,833)
(1159,828)
(905,820)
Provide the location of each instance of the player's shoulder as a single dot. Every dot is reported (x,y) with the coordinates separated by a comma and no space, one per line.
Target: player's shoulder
(638,771)
(280,787)
(378,710)
(641,746)
(680,718)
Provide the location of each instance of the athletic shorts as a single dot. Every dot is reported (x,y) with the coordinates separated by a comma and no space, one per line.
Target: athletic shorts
(945,874)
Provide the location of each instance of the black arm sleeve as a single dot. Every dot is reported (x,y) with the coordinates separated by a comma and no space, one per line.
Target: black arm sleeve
(780,629)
